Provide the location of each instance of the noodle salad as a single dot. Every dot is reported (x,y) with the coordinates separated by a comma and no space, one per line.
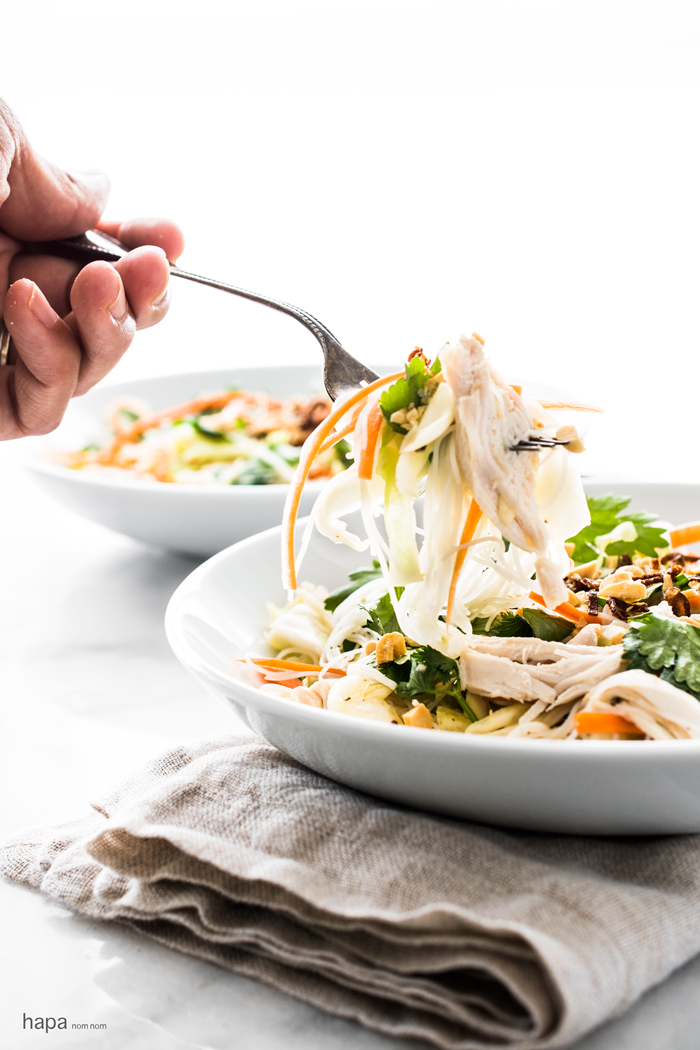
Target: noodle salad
(518,608)
(232,437)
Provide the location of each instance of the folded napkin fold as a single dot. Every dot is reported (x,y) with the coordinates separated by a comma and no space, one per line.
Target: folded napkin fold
(413,925)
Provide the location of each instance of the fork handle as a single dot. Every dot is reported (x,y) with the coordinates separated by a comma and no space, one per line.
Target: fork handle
(97,245)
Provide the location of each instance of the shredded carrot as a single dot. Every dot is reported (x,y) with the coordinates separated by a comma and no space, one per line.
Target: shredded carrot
(140,426)
(516,387)
(693,600)
(569,406)
(309,450)
(291,683)
(293,665)
(683,534)
(368,446)
(470,525)
(567,610)
(602,722)
(335,437)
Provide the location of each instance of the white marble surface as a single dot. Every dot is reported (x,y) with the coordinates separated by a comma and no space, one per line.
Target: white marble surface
(90,690)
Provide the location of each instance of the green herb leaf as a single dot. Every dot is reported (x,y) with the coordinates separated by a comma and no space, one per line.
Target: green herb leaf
(382,617)
(204,430)
(341,451)
(547,628)
(424,671)
(129,414)
(256,473)
(506,625)
(666,648)
(357,579)
(606,515)
(404,392)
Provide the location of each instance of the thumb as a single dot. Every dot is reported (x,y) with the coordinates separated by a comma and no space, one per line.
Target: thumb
(40,201)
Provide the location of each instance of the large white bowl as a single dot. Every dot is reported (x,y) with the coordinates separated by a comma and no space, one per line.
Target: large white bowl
(195,519)
(599,788)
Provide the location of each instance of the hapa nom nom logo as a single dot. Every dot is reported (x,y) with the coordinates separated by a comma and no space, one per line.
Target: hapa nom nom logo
(48,1024)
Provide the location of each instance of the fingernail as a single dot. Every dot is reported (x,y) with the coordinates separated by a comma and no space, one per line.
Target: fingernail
(163,298)
(40,308)
(119,307)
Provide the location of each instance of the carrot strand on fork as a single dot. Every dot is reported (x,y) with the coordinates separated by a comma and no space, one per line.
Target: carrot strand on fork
(368,446)
(470,526)
(333,440)
(309,451)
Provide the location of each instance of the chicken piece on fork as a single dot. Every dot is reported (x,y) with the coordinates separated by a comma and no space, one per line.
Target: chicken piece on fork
(492,420)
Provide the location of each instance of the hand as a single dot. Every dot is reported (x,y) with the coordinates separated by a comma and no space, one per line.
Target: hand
(69,326)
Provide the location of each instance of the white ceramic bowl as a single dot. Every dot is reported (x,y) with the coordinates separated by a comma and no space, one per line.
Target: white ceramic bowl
(195,519)
(600,788)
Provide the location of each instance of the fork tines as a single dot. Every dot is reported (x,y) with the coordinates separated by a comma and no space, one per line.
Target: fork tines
(531,444)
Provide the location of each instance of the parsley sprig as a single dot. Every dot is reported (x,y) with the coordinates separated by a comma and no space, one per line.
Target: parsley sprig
(666,648)
(426,672)
(606,515)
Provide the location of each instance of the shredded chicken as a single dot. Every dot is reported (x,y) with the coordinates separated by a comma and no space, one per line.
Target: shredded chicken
(658,708)
(490,419)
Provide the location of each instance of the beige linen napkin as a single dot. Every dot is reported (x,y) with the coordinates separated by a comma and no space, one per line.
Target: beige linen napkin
(413,925)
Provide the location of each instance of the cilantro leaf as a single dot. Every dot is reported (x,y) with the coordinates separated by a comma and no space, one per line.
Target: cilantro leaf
(548,628)
(524,625)
(607,512)
(425,671)
(506,625)
(358,579)
(429,669)
(666,648)
(382,617)
(404,392)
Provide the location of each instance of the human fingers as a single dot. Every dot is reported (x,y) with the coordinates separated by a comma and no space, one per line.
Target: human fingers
(135,233)
(106,327)
(35,390)
(54,276)
(101,320)
(39,200)
(8,249)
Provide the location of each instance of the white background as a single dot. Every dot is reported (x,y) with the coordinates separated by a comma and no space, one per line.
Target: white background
(406,171)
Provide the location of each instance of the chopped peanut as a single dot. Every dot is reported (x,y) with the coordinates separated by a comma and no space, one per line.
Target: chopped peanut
(570,435)
(628,590)
(590,571)
(370,647)
(390,647)
(419,716)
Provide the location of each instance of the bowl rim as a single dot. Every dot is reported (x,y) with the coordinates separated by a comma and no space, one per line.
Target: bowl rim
(634,750)
(35,456)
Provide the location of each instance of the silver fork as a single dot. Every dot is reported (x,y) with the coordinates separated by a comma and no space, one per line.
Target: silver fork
(342,373)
